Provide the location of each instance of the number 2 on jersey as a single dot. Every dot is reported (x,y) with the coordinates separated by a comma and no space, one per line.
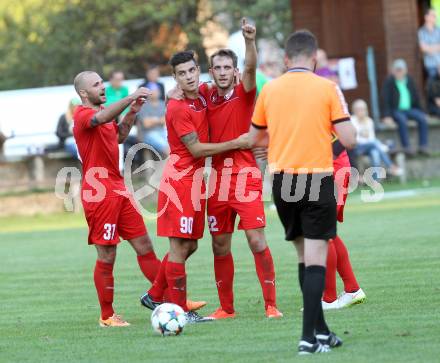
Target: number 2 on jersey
(212,224)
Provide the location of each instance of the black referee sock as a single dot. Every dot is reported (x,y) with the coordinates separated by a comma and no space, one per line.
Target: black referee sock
(313,287)
(321,326)
(301,270)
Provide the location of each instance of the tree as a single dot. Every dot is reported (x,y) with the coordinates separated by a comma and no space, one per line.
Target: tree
(272,18)
(48,42)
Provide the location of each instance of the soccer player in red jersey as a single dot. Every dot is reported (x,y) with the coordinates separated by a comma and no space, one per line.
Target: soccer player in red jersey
(337,257)
(235,187)
(108,210)
(181,200)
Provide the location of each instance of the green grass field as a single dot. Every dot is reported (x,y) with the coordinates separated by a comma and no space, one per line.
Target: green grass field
(49,308)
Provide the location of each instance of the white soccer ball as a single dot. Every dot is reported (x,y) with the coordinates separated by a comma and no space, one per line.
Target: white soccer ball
(168,319)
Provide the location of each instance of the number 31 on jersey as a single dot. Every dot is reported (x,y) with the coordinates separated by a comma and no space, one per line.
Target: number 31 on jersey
(109,231)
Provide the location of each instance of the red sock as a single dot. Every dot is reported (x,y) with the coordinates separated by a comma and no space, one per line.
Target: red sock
(330,293)
(176,279)
(104,283)
(157,290)
(224,279)
(266,275)
(344,266)
(149,265)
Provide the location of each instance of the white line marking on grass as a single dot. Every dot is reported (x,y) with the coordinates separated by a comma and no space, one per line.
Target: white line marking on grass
(407,193)
(400,194)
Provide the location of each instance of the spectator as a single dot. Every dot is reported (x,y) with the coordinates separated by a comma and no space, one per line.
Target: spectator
(261,80)
(2,142)
(367,143)
(116,90)
(429,42)
(323,70)
(266,72)
(401,102)
(322,67)
(64,130)
(153,74)
(433,93)
(152,122)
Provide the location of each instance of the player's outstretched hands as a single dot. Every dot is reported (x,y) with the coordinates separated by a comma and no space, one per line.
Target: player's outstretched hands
(249,31)
(140,95)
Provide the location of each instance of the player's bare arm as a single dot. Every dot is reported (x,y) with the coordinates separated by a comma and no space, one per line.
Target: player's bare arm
(199,149)
(258,137)
(250,60)
(176,93)
(260,149)
(125,126)
(109,113)
(129,119)
(346,133)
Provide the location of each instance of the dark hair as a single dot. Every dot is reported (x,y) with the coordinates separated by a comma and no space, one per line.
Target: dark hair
(301,42)
(224,53)
(428,10)
(112,73)
(152,66)
(182,57)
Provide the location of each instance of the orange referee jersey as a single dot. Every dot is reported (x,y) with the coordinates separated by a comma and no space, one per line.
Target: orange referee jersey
(299,110)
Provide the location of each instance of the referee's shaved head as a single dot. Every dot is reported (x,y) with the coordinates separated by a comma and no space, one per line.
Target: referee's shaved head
(80,81)
(301,43)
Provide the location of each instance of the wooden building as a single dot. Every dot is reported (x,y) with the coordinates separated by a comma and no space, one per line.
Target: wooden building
(345,28)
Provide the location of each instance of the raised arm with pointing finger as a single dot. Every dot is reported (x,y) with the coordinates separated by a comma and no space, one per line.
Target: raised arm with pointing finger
(250,60)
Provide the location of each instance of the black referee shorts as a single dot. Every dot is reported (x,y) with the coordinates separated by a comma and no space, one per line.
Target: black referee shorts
(306,205)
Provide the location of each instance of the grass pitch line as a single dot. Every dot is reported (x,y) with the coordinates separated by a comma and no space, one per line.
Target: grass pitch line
(407,193)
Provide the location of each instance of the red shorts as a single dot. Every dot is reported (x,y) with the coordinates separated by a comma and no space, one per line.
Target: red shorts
(181,209)
(242,196)
(112,218)
(342,181)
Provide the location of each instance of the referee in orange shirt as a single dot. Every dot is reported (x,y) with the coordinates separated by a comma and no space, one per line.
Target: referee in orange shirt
(296,114)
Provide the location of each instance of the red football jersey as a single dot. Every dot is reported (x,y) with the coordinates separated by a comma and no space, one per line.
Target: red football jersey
(182,118)
(229,117)
(97,148)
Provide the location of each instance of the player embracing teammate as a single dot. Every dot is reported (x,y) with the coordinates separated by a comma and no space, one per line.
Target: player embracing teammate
(213,121)
(235,186)
(182,199)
